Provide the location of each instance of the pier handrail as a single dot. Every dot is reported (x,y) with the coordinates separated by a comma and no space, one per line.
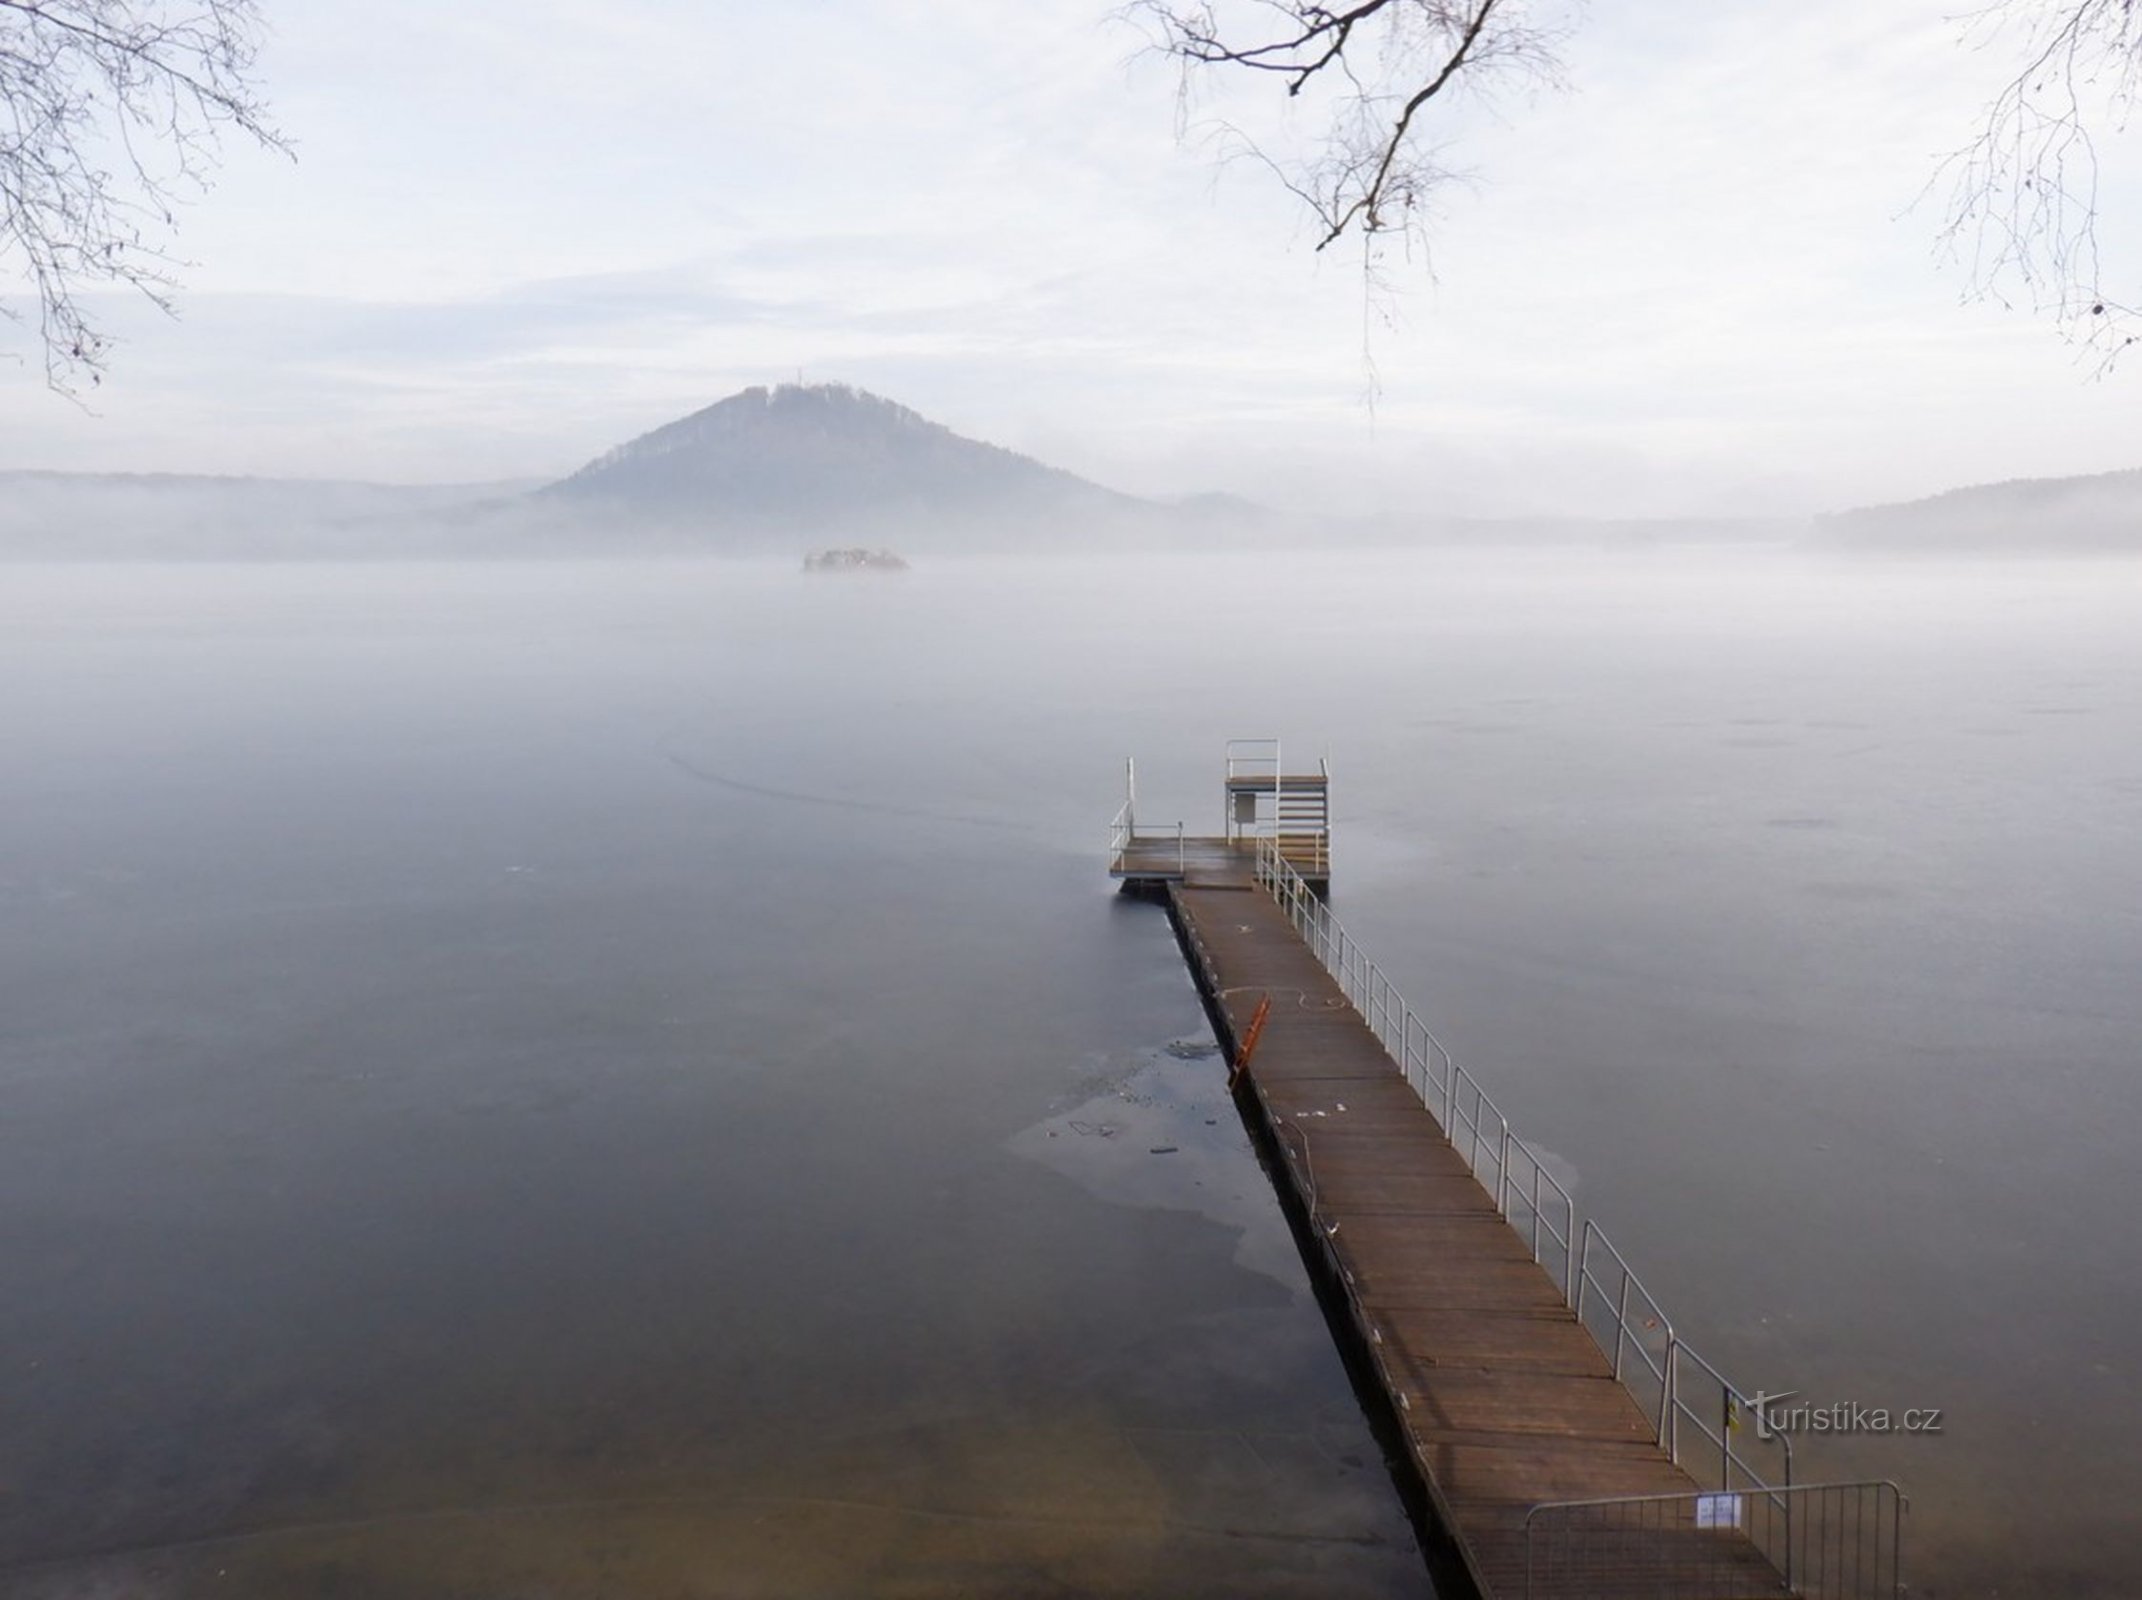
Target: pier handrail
(1252,758)
(1609,1300)
(1523,1190)
(1828,1541)
(1123,833)
(1300,816)
(1721,1401)
(1123,828)
(1636,1325)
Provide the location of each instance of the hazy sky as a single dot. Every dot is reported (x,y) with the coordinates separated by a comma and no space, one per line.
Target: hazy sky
(519,233)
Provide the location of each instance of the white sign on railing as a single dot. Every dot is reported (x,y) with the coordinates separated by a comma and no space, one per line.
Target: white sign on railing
(1719,1510)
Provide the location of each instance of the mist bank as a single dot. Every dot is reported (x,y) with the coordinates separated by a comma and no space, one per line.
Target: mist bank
(2101,513)
(765,473)
(47,517)
(781,472)
(64,516)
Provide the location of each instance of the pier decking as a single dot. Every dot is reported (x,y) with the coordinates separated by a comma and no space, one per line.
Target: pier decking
(1541,1396)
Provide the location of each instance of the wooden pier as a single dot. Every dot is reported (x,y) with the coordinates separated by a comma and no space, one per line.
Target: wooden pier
(1520,1419)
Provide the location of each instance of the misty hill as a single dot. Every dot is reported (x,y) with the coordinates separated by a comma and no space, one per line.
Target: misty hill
(2101,512)
(766,472)
(825,458)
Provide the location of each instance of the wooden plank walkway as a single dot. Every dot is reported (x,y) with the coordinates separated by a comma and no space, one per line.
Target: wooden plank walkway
(1503,1398)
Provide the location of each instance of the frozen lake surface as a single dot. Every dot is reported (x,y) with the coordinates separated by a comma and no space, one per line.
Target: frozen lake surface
(633,1075)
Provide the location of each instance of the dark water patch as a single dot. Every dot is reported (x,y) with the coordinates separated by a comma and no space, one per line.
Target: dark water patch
(995,1507)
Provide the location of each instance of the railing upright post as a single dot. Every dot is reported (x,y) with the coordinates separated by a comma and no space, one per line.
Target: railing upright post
(1621,1322)
(1279,804)
(1669,1397)
(1896,1538)
(1789,1562)
(1725,1438)
(1535,1208)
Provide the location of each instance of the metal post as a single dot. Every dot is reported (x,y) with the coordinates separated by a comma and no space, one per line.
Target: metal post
(1725,1438)
(1279,783)
(1669,1399)
(1786,1499)
(1621,1322)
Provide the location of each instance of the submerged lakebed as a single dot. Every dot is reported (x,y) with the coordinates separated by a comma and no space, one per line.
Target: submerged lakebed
(523,1075)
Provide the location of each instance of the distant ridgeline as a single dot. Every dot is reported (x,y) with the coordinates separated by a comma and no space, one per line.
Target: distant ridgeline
(2100,513)
(778,472)
(767,465)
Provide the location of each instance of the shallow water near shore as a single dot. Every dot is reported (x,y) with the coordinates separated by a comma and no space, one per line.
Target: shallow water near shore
(575,1078)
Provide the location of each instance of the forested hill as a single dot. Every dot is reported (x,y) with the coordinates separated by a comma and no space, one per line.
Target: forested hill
(2101,512)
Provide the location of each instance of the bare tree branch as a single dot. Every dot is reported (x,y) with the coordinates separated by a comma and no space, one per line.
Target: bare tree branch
(2021,199)
(2022,196)
(1383,63)
(111,115)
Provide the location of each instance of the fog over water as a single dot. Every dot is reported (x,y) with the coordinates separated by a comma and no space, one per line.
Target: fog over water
(572,1078)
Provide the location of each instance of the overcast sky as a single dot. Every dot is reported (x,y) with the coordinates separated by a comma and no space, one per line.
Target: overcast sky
(518,233)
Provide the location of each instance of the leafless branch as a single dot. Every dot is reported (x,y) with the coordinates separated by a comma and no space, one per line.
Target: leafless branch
(2022,200)
(1382,65)
(111,115)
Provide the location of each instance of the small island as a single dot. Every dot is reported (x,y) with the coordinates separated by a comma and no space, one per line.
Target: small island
(853,560)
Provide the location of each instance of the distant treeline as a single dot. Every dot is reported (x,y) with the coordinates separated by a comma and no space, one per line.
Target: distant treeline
(2101,513)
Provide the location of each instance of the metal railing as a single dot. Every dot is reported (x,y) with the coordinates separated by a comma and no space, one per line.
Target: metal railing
(1523,1190)
(1629,1326)
(1252,758)
(1248,758)
(1696,1414)
(1822,1541)
(1710,1428)
(1123,834)
(1122,829)
(1303,833)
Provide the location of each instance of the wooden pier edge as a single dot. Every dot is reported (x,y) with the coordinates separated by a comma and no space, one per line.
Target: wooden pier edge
(1360,1352)
(1449,1563)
